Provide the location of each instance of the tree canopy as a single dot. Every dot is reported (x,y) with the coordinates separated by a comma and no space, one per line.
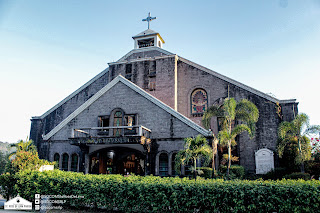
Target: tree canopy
(194,149)
(293,135)
(237,117)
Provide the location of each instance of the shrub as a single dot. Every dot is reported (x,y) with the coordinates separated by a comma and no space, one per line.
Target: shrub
(207,172)
(28,161)
(7,183)
(313,168)
(236,172)
(276,174)
(155,194)
(298,175)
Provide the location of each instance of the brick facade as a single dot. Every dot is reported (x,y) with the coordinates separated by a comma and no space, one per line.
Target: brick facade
(170,79)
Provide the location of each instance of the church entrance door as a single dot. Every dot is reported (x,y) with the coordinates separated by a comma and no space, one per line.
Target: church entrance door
(117,160)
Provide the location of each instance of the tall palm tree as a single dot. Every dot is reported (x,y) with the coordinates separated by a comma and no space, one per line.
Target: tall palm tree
(22,145)
(244,111)
(194,150)
(217,111)
(294,134)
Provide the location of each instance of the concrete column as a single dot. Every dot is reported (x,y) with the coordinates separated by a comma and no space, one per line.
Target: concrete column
(82,156)
(86,163)
(170,164)
(157,164)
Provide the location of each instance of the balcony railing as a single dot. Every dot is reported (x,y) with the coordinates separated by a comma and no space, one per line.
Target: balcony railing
(114,131)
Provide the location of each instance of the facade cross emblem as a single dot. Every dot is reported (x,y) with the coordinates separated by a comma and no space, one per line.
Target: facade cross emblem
(148,19)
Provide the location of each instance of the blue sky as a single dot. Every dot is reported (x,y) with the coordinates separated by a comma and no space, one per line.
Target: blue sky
(48,49)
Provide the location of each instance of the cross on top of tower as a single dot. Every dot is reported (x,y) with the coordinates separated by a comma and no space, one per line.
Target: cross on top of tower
(148,19)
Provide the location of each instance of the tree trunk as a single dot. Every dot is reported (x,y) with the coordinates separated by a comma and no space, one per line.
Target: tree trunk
(300,153)
(213,163)
(229,157)
(195,168)
(214,152)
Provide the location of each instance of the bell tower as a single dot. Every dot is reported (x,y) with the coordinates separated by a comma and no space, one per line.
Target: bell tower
(148,38)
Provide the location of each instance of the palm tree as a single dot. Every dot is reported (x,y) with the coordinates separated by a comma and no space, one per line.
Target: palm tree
(27,146)
(194,150)
(244,111)
(294,134)
(217,111)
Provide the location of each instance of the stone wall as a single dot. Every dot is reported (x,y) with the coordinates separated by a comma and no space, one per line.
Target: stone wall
(190,78)
(164,125)
(149,115)
(164,76)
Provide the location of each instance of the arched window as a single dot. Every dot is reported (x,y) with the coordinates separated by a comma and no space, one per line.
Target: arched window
(74,162)
(56,158)
(163,164)
(65,161)
(199,102)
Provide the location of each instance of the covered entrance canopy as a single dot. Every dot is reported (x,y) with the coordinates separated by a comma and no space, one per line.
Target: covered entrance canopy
(113,150)
(117,160)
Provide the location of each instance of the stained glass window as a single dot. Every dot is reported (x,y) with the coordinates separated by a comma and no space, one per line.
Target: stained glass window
(117,121)
(199,102)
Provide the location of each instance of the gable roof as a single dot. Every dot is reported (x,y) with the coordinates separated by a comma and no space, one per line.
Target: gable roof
(122,59)
(146,33)
(137,89)
(214,73)
(72,95)
(236,83)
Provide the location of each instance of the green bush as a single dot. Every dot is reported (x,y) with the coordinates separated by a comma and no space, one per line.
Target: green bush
(236,172)
(155,194)
(7,183)
(28,161)
(276,174)
(313,168)
(207,172)
(298,175)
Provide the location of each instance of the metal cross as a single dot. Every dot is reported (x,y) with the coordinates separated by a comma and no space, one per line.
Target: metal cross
(148,19)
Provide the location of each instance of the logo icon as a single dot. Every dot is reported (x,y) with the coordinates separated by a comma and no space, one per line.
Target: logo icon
(18,203)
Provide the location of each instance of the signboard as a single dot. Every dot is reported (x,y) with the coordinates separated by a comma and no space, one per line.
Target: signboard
(116,140)
(264,161)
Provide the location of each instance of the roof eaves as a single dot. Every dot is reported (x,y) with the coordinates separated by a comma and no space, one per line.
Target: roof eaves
(229,80)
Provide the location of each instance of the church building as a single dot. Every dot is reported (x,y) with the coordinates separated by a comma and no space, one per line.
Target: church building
(133,116)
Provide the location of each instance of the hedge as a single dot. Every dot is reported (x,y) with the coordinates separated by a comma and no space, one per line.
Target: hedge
(298,175)
(236,172)
(155,194)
